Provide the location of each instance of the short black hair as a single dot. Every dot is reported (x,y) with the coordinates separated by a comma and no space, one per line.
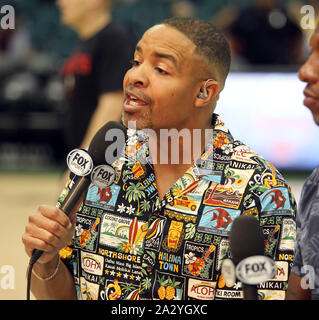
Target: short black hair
(209,40)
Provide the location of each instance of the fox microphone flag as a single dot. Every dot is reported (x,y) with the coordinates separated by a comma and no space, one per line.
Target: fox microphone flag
(81,163)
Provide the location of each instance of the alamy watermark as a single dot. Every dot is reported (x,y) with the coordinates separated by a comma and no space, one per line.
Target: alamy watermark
(7,277)
(308,20)
(171,151)
(7,17)
(308,280)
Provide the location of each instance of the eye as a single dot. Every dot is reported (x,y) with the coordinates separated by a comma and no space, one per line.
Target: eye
(161,71)
(134,63)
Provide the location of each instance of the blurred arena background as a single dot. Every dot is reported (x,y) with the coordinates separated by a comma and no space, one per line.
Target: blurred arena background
(265,92)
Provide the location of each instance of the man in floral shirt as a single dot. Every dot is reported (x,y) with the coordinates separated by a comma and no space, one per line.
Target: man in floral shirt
(161,230)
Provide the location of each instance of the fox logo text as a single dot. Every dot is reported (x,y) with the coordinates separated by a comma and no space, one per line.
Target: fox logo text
(103,176)
(256,269)
(80,162)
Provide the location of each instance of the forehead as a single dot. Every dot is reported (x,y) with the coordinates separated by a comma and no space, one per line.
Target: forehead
(169,39)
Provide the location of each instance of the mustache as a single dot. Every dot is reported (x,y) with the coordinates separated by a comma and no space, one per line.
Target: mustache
(130,89)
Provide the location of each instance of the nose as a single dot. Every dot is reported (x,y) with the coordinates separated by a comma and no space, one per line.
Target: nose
(307,72)
(137,76)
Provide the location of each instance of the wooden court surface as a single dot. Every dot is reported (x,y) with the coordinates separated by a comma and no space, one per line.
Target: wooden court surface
(20,195)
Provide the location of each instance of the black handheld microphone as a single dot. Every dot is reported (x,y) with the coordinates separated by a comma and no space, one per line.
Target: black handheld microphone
(99,154)
(247,249)
(105,147)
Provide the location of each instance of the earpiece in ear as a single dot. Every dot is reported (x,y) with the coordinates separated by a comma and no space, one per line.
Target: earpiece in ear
(202,95)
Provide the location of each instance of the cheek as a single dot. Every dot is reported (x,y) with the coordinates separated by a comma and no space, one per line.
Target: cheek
(167,102)
(170,94)
(125,79)
(170,106)
(314,65)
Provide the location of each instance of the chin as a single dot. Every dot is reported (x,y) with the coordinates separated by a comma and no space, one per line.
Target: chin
(316,118)
(134,122)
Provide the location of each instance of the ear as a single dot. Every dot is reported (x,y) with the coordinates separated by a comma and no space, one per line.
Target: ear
(208,91)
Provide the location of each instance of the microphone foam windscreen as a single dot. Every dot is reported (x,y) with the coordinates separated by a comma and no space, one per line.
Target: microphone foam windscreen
(99,144)
(246,238)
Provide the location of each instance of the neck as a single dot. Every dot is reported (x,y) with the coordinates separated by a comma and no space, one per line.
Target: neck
(93,24)
(178,148)
(173,156)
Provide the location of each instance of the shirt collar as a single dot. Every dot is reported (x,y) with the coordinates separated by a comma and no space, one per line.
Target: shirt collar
(219,149)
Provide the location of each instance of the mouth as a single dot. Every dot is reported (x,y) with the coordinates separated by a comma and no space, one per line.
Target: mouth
(134,103)
(310,98)
(309,94)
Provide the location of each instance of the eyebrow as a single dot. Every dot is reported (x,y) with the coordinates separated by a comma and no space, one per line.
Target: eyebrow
(161,55)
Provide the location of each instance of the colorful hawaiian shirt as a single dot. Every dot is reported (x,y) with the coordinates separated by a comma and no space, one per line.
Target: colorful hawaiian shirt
(130,245)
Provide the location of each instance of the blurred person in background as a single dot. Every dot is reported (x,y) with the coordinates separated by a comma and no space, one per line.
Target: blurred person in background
(93,74)
(182,8)
(263,34)
(304,278)
(15,46)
